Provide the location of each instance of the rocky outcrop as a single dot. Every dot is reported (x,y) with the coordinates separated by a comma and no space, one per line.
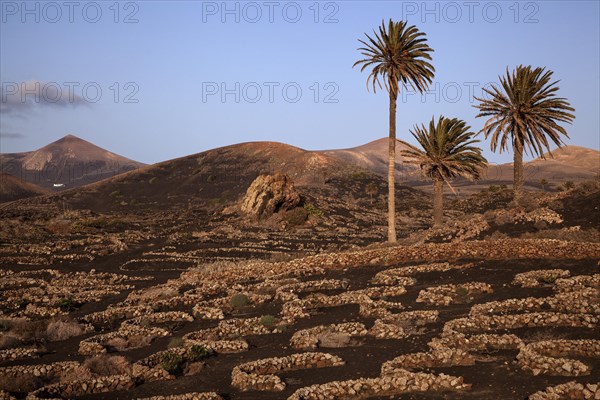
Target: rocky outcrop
(269,194)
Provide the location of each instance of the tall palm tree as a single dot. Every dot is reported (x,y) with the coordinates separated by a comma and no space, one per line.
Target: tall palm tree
(524,112)
(398,54)
(446,152)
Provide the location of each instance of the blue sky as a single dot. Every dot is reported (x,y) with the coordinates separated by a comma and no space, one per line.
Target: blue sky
(154,80)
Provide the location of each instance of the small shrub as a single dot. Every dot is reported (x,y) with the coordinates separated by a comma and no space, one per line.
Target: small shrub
(493,189)
(66,304)
(23,384)
(197,353)
(62,330)
(296,216)
(117,343)
(136,341)
(548,279)
(29,330)
(116,194)
(175,342)
(105,365)
(312,210)
(269,321)
(239,300)
(461,291)
(171,362)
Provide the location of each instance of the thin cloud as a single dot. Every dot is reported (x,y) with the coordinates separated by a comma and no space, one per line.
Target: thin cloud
(11,135)
(22,97)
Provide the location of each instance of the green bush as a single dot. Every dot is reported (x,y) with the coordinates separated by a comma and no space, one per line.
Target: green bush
(461,291)
(312,210)
(239,300)
(197,353)
(269,321)
(171,362)
(66,304)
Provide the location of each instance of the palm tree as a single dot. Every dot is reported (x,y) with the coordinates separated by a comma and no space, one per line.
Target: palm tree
(524,112)
(397,53)
(446,152)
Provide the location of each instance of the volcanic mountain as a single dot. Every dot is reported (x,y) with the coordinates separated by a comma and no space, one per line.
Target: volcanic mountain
(67,162)
(374,157)
(213,176)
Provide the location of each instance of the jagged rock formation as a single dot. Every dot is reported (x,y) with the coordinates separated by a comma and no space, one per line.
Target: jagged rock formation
(269,194)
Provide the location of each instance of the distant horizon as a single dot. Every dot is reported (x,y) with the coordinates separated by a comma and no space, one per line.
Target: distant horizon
(156,80)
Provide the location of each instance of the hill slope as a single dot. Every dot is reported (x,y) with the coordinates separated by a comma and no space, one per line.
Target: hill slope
(13,188)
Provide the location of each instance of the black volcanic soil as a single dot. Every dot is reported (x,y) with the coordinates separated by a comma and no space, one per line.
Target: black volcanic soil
(495,376)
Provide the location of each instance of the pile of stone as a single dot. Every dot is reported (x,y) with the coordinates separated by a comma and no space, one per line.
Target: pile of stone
(397,383)
(398,276)
(482,323)
(44,370)
(401,325)
(436,357)
(116,313)
(159,317)
(19,353)
(540,277)
(509,305)
(82,387)
(308,339)
(290,291)
(318,264)
(259,374)
(296,309)
(577,282)
(97,344)
(547,357)
(377,292)
(569,390)
(476,342)
(201,311)
(225,337)
(444,295)
(44,289)
(187,396)
(583,300)
(378,308)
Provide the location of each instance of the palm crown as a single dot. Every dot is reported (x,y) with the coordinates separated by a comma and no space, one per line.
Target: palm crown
(447,150)
(398,53)
(525,111)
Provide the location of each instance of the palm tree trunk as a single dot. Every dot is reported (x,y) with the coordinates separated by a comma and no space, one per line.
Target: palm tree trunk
(518,170)
(392,171)
(438,201)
